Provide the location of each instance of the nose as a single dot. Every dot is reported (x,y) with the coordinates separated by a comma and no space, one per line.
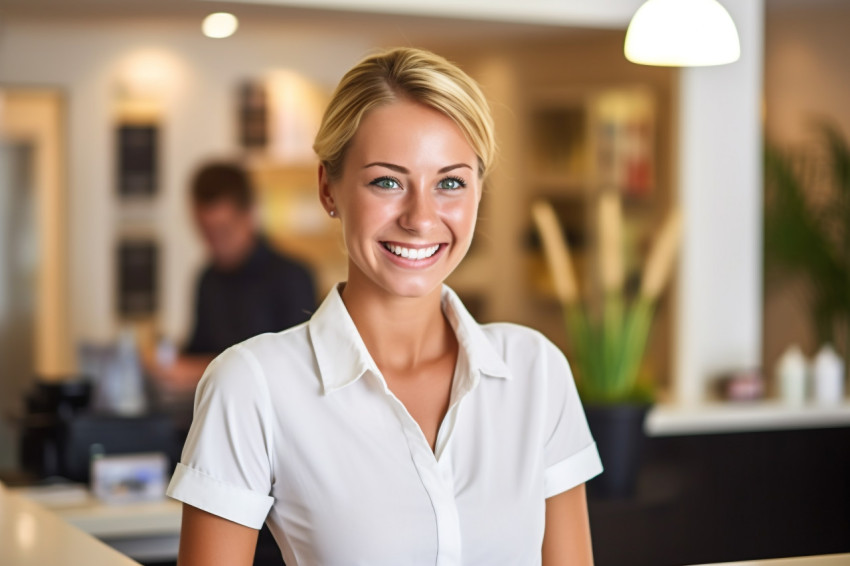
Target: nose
(420,212)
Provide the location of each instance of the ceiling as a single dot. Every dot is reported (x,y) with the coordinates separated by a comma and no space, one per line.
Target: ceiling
(570,13)
(306,14)
(438,16)
(581,13)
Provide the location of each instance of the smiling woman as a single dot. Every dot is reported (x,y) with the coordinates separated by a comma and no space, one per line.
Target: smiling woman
(408,203)
(392,428)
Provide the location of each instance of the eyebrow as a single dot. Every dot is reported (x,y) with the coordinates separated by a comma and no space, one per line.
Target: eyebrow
(405,171)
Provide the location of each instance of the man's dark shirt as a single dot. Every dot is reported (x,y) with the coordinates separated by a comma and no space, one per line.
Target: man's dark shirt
(266,293)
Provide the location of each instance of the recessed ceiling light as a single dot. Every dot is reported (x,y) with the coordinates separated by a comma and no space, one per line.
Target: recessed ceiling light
(220,25)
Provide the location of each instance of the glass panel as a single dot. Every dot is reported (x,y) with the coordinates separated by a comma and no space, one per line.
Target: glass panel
(18,265)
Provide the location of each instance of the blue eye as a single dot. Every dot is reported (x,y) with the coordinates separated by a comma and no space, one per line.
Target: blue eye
(452,184)
(386,183)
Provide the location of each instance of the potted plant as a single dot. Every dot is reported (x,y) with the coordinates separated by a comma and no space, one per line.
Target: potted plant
(608,345)
(807,227)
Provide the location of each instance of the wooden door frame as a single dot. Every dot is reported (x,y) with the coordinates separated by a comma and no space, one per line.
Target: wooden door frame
(36,116)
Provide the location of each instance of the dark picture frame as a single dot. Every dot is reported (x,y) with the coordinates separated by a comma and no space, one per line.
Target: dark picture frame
(137,277)
(138,160)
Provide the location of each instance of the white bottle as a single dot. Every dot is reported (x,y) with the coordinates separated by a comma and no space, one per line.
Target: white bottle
(166,352)
(828,376)
(791,375)
(130,399)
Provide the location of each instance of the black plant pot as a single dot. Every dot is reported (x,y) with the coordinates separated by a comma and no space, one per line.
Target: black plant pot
(619,436)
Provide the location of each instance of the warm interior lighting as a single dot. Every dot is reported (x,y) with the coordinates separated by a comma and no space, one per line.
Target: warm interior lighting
(220,25)
(682,33)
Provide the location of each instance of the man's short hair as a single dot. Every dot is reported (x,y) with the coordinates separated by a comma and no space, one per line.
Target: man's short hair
(222,182)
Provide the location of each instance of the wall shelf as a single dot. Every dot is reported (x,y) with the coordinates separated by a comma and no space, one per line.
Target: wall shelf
(729,417)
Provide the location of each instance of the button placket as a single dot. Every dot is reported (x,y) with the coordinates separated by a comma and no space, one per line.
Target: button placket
(437,480)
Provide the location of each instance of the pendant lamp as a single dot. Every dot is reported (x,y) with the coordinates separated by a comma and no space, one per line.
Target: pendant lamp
(682,33)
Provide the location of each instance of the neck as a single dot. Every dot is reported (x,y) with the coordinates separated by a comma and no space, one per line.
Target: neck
(399,332)
(237,257)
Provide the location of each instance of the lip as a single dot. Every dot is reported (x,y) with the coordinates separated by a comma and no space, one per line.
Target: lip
(413,263)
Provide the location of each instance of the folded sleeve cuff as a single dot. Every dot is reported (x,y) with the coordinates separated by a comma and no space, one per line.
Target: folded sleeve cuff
(233,503)
(575,470)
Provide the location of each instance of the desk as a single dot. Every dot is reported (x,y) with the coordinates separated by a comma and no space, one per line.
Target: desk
(30,535)
(144,531)
(830,560)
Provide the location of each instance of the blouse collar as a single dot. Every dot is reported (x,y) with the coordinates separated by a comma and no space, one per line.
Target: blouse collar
(343,358)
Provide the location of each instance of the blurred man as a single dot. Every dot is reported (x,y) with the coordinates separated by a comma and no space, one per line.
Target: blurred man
(247,288)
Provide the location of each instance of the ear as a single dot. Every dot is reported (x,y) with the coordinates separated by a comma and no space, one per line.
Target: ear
(325,192)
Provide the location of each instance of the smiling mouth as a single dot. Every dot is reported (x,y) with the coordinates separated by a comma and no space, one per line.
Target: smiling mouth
(411,253)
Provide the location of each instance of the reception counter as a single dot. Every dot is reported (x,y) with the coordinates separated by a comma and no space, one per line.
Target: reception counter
(31,535)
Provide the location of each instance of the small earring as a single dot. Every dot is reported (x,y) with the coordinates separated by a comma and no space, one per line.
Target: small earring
(332,213)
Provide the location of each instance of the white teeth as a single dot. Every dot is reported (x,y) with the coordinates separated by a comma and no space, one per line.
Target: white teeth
(412,253)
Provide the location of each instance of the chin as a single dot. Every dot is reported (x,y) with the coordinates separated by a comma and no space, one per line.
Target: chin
(411,287)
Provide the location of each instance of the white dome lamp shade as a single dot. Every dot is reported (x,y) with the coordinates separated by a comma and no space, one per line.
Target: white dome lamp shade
(220,25)
(682,33)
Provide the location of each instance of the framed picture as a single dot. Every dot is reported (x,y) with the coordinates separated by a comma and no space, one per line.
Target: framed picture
(253,115)
(138,261)
(137,159)
(625,141)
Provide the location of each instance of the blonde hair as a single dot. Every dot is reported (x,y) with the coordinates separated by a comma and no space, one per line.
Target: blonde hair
(404,73)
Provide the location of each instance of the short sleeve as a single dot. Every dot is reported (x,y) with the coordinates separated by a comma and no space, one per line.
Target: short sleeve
(226,466)
(570,452)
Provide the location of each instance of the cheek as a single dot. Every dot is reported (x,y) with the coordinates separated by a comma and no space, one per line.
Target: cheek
(370,211)
(214,230)
(362,217)
(461,216)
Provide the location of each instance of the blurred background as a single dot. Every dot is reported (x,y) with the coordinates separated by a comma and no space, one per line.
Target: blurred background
(109,108)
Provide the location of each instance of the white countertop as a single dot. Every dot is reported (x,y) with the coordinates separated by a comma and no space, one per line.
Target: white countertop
(145,531)
(127,520)
(722,417)
(828,560)
(31,535)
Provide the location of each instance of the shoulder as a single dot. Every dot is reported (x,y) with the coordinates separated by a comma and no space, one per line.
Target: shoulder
(295,277)
(232,368)
(204,274)
(250,361)
(529,355)
(274,348)
(508,337)
(288,265)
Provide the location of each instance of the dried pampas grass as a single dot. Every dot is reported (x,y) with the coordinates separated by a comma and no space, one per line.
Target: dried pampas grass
(557,252)
(662,256)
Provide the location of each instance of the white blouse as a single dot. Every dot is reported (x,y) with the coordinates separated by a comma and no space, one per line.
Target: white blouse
(298,429)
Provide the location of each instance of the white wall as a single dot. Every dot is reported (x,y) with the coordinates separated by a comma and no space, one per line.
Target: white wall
(719,314)
(197,78)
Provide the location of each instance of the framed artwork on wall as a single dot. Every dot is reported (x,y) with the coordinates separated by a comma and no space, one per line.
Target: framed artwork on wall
(137,156)
(137,276)
(253,115)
